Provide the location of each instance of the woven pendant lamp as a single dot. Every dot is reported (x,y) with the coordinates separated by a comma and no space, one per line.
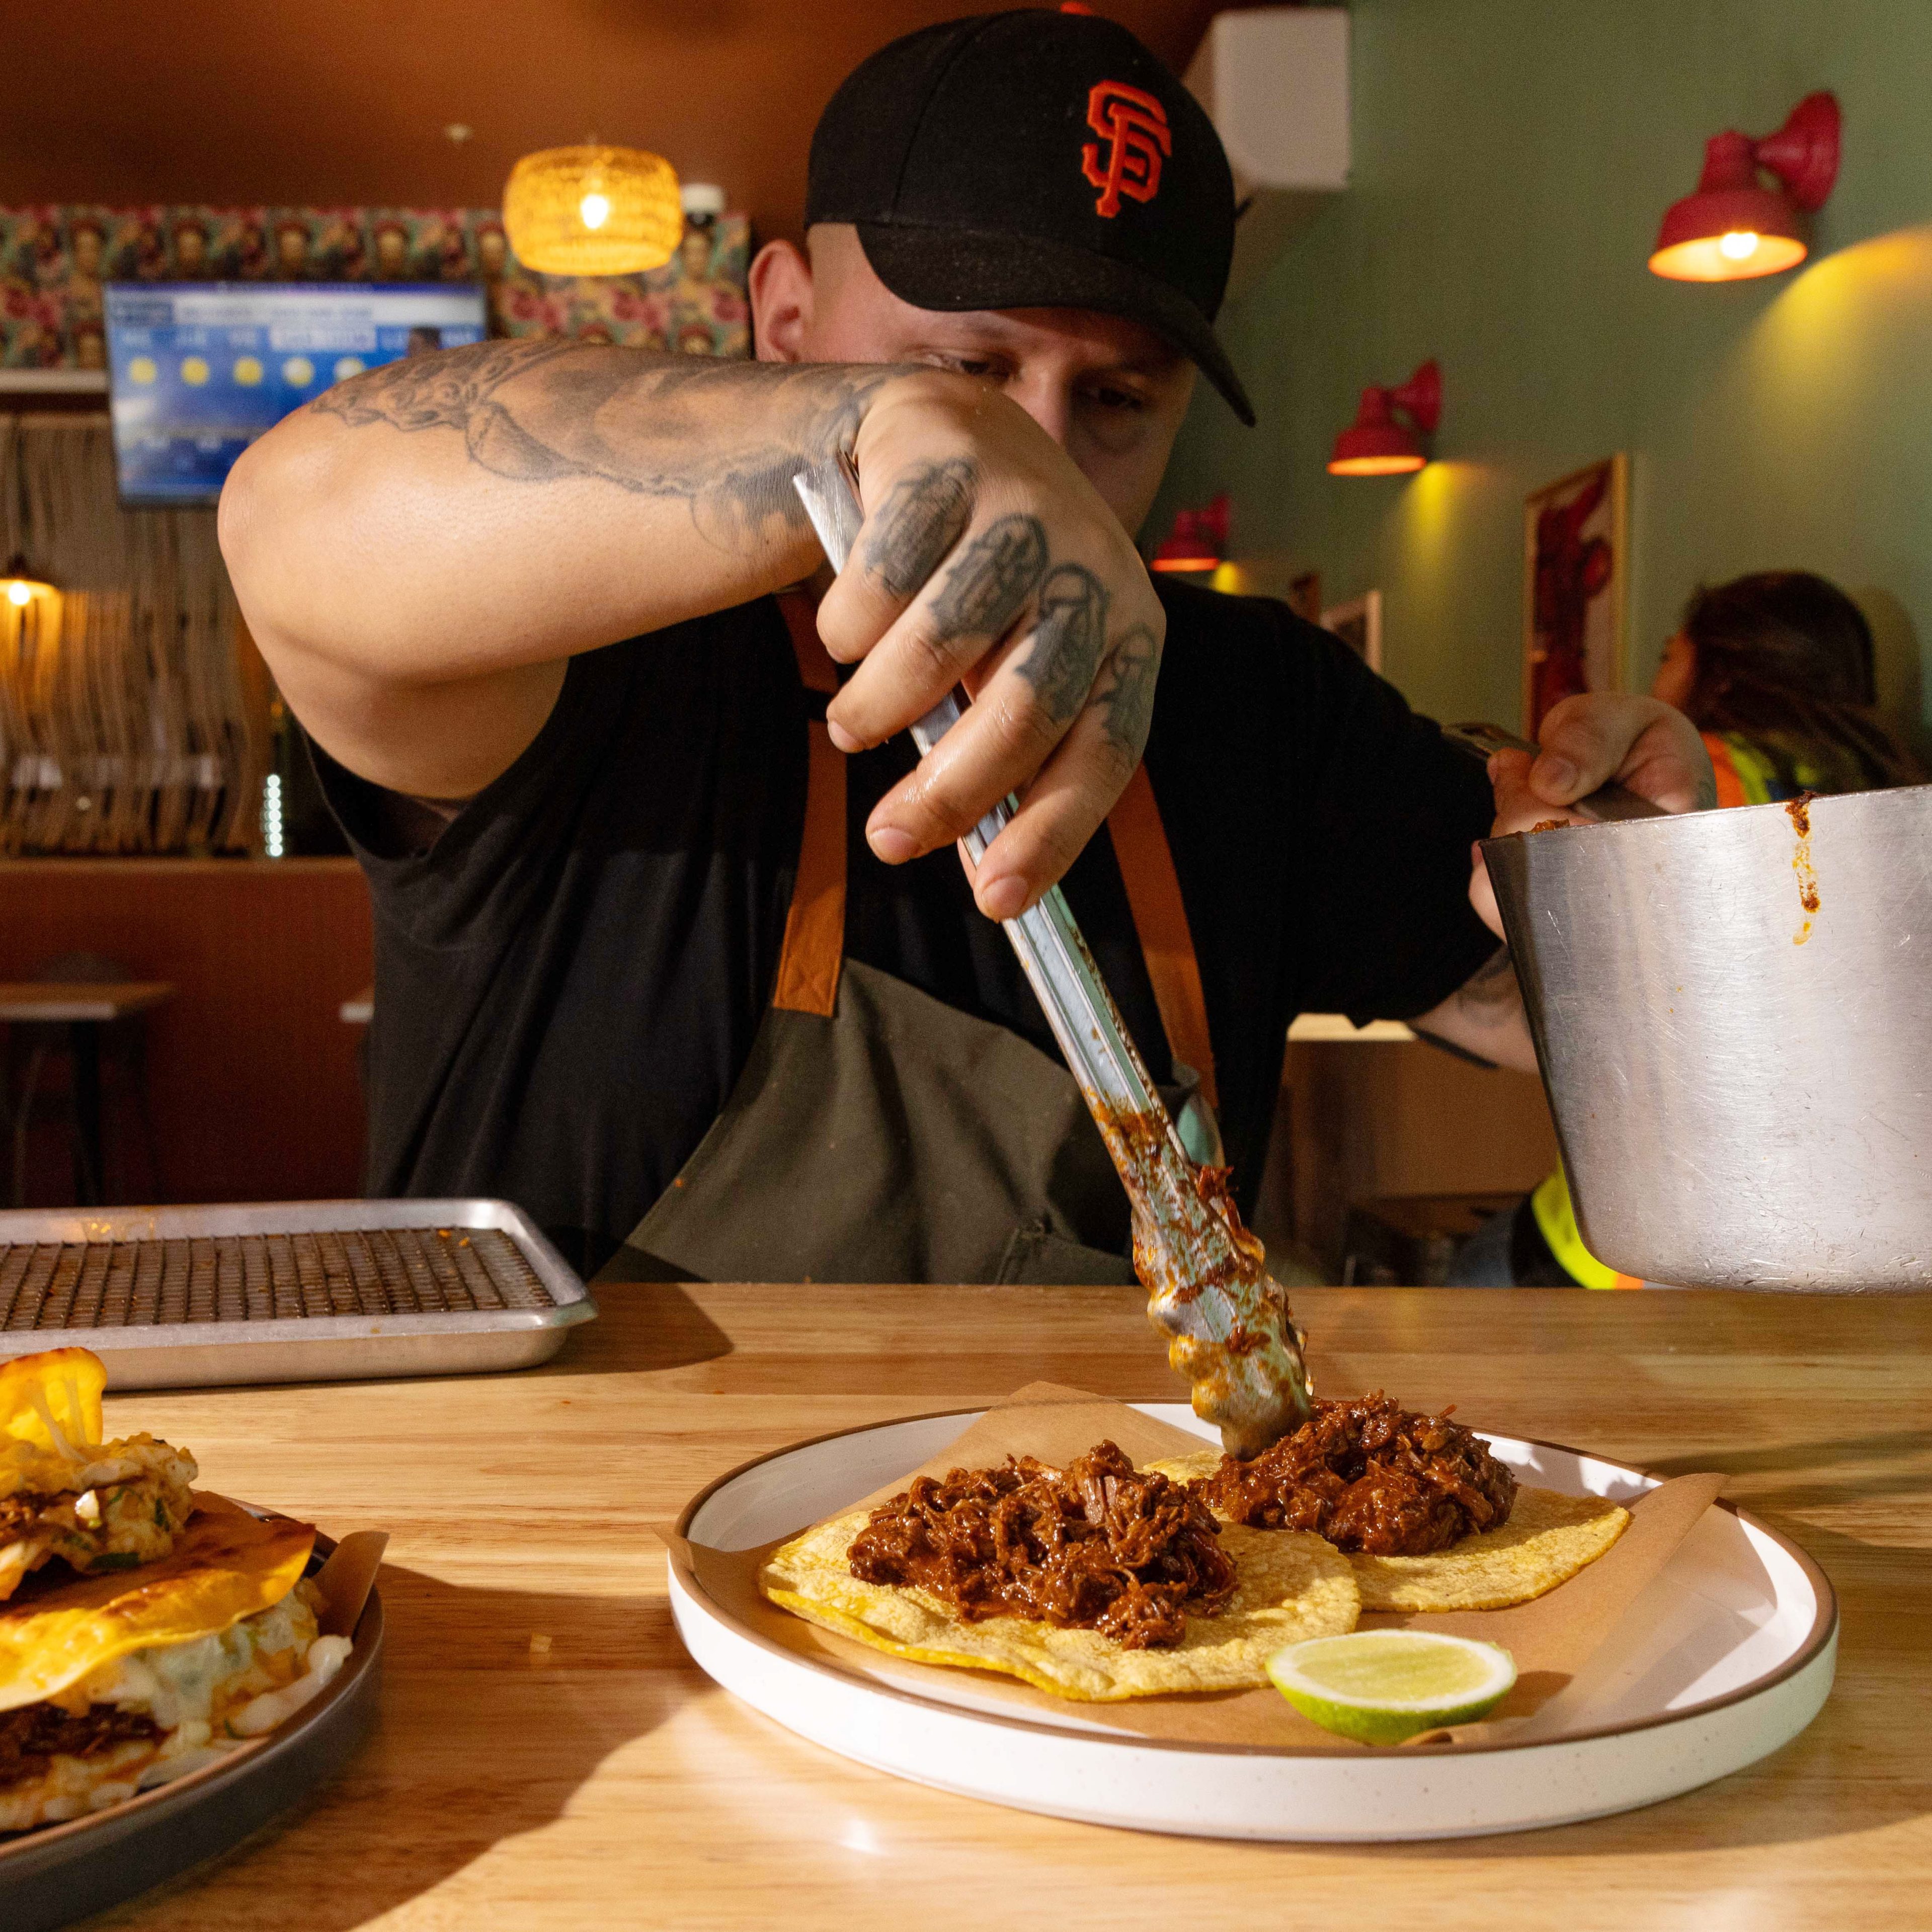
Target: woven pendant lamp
(592,211)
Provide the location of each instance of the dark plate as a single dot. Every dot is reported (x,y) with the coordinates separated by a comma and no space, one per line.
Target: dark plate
(61,1872)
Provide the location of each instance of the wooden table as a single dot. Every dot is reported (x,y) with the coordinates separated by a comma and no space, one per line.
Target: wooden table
(84,1006)
(601,1781)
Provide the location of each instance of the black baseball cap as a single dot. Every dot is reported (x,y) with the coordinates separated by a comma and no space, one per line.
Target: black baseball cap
(1034,160)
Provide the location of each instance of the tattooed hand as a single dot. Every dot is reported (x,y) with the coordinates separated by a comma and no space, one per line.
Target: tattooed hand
(987,558)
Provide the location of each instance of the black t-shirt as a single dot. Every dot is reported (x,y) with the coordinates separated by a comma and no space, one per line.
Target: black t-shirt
(568,980)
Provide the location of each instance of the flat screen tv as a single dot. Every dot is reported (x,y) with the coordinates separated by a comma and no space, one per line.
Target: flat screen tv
(197,370)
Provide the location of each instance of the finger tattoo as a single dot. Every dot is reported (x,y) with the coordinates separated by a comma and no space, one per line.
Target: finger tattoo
(1126,702)
(988,587)
(925,515)
(1070,639)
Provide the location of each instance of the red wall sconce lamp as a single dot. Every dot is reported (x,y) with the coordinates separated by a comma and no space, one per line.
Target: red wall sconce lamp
(1376,444)
(1199,540)
(1734,227)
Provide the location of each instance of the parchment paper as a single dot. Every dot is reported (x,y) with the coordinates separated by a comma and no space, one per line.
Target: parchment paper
(1551,1637)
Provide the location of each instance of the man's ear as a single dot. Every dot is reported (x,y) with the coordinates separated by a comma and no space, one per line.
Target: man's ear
(780,291)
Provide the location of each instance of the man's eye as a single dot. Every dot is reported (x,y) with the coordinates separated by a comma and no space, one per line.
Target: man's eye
(972,365)
(1109,397)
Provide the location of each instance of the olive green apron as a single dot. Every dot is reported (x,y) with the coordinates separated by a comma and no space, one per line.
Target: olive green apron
(877,1134)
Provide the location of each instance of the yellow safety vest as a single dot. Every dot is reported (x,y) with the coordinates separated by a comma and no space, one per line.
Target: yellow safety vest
(1550,1204)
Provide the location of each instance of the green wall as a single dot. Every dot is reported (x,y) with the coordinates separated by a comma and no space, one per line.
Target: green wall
(1512,160)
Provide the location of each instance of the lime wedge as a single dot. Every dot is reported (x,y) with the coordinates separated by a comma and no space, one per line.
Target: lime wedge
(1382,1686)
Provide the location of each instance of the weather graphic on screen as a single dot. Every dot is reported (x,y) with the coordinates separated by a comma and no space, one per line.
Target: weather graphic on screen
(198,371)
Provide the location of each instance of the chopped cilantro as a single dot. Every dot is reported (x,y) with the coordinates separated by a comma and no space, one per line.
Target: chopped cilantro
(115,1559)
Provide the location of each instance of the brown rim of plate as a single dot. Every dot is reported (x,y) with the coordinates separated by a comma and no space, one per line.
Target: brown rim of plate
(235,1763)
(1824,1627)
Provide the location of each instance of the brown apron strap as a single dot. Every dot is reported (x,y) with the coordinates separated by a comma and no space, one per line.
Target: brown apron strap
(1160,918)
(814,934)
(815,669)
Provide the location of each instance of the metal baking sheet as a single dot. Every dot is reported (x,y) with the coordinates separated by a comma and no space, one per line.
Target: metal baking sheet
(289,1291)
(60,1873)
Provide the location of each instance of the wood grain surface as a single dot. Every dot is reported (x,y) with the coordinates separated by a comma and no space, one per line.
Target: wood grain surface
(598,1780)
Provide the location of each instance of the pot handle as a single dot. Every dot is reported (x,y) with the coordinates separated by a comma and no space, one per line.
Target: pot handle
(1608,802)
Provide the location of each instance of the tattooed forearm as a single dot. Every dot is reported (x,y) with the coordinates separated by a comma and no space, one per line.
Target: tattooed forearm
(1483,1019)
(455,388)
(1493,984)
(1488,1002)
(544,411)
(926,514)
(1069,640)
(988,587)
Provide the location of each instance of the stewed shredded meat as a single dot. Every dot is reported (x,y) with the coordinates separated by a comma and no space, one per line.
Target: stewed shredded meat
(1371,1475)
(1097,1546)
(33,1734)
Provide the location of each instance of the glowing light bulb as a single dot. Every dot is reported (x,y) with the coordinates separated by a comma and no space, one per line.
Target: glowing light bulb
(595,210)
(1739,245)
(18,593)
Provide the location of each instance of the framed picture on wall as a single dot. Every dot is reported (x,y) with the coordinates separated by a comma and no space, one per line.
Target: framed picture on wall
(1359,624)
(1576,567)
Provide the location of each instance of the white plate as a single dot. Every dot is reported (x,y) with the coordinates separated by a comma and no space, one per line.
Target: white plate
(1729,1654)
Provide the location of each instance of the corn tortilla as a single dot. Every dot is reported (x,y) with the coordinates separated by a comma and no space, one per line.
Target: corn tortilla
(223,1568)
(1290,1586)
(1549,1538)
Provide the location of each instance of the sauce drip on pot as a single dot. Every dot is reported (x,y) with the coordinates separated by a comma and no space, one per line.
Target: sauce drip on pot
(1798,810)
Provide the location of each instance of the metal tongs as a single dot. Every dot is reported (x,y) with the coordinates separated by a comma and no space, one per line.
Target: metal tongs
(1208,1288)
(1608,804)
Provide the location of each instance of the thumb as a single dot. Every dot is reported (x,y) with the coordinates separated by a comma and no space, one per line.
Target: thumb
(1518,808)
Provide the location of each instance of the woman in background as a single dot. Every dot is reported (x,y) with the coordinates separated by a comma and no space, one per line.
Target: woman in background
(1775,669)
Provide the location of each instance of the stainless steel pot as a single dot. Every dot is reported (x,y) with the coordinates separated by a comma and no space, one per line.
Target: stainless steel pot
(1732,1011)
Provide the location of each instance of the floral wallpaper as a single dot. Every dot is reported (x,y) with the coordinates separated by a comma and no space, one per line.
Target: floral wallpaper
(54,260)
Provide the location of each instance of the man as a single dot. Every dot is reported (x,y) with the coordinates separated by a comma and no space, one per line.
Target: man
(630,970)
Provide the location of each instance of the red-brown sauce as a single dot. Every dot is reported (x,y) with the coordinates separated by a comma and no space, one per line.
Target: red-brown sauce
(1798,810)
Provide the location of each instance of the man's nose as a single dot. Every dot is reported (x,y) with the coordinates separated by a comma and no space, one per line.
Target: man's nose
(1047,400)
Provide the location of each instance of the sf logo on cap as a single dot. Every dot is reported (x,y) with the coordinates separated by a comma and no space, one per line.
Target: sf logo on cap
(1133,124)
